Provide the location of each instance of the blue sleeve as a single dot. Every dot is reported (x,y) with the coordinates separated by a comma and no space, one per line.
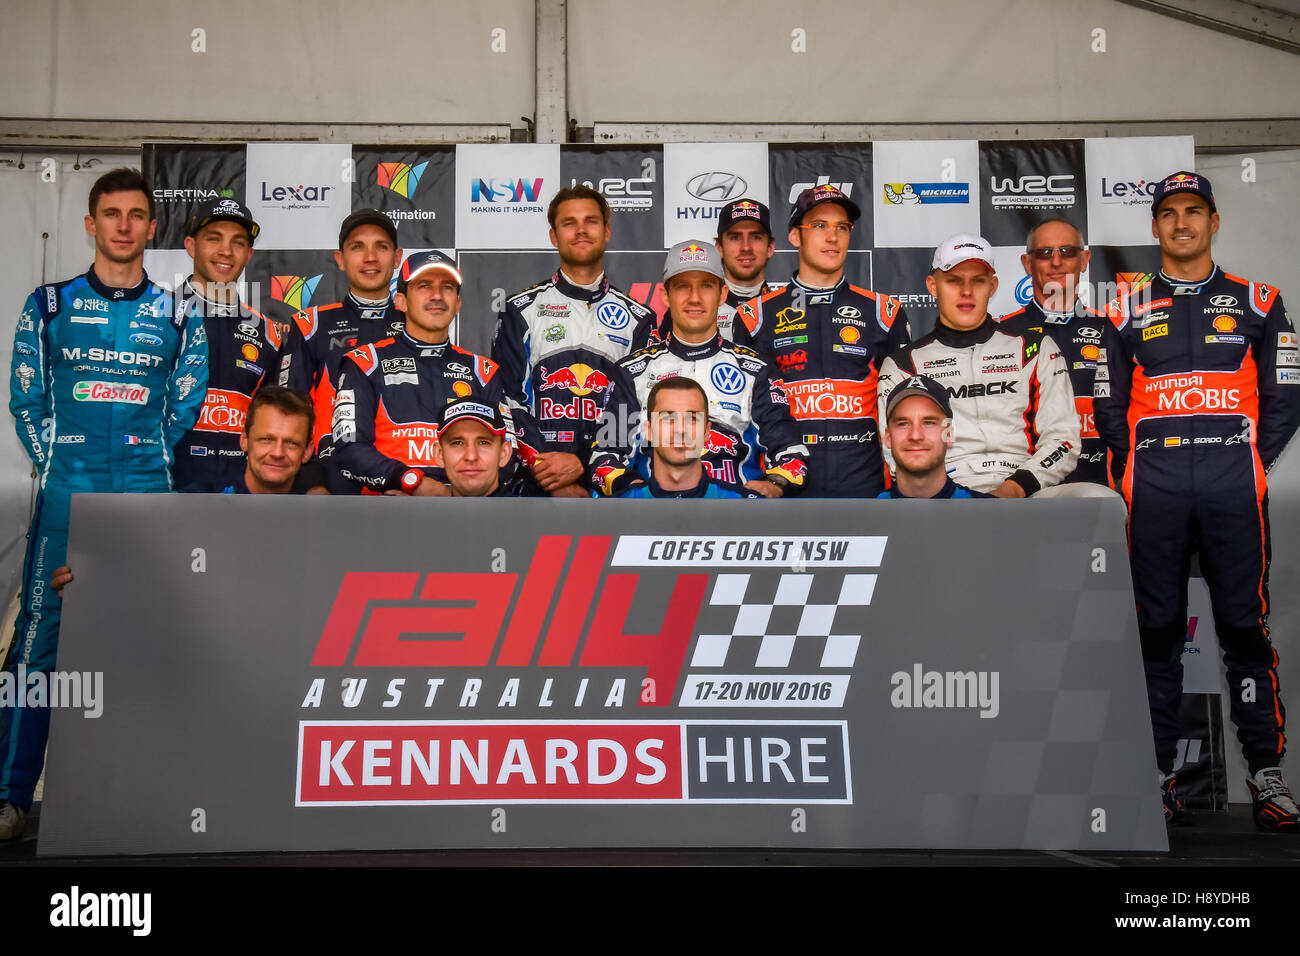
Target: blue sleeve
(188,384)
(29,382)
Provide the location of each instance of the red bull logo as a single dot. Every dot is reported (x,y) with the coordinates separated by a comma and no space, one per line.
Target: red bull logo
(719,444)
(578,378)
(795,468)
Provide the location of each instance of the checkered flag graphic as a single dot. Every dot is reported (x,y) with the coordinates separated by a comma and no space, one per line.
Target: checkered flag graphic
(775,650)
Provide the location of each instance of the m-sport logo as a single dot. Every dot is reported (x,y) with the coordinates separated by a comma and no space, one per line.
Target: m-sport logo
(716,186)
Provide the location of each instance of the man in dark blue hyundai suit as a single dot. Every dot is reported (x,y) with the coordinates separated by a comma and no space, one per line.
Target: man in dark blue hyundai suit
(1197,393)
(106,378)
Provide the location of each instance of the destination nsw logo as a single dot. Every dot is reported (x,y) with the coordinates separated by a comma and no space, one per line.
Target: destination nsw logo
(403,179)
(294,291)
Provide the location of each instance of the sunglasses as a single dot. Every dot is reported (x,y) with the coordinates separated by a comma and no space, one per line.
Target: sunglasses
(1047,252)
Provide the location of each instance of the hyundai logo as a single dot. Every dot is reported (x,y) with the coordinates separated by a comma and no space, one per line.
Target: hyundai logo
(716,186)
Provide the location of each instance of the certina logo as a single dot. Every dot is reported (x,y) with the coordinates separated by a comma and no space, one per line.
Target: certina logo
(968,690)
(110,355)
(90,305)
(797,188)
(195,194)
(110,392)
(1033,192)
(623,194)
(717,187)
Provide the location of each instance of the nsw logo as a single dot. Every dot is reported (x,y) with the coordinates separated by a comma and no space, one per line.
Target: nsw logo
(727,379)
(613,316)
(505,190)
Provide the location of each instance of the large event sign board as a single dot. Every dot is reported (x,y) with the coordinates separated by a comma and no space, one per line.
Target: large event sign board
(317,674)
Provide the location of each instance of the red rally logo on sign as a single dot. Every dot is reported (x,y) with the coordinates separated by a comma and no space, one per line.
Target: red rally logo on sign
(365,626)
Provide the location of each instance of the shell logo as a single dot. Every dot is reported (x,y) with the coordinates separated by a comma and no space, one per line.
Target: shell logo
(1225,323)
(249,351)
(462,389)
(1090,352)
(849,335)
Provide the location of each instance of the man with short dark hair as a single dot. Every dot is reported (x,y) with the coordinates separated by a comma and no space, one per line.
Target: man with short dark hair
(276,441)
(826,340)
(474,449)
(558,342)
(676,428)
(918,434)
(106,377)
(746,244)
(392,393)
(1197,394)
(320,336)
(1015,428)
(243,346)
(752,439)
(1055,259)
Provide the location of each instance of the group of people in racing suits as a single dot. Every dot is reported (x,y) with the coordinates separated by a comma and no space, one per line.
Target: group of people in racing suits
(1174,396)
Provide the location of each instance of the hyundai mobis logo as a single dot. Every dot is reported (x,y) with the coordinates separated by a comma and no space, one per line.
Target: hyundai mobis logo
(455,687)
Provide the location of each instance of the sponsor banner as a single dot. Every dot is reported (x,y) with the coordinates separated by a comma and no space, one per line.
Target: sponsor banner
(793,169)
(629,179)
(171,267)
(1025,181)
(186,179)
(280,282)
(491,280)
(1122,175)
(416,188)
(1114,270)
(901,273)
(298,193)
(502,193)
(699,178)
(925,191)
(698,684)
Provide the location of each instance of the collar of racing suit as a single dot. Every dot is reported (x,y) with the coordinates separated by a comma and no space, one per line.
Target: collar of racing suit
(581,293)
(361,303)
(424,348)
(956,339)
(1190,287)
(699,491)
(816,290)
(212,306)
(114,294)
(746,292)
(692,352)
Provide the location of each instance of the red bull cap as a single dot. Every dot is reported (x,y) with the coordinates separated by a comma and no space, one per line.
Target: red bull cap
(693,255)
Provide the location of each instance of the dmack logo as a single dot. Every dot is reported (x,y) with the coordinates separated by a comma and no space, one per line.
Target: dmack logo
(377,615)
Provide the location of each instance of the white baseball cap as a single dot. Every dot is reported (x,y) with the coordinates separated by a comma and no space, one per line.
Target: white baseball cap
(960,248)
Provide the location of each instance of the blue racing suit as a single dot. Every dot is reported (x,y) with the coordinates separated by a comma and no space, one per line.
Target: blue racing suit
(104,382)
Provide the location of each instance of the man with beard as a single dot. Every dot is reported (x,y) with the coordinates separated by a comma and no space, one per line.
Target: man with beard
(559,342)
